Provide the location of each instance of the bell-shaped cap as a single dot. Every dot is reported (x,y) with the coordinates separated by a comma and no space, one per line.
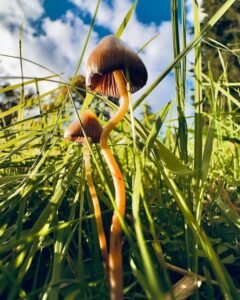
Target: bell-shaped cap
(90,125)
(112,54)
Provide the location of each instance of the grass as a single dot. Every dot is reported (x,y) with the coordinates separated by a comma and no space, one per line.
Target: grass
(182,185)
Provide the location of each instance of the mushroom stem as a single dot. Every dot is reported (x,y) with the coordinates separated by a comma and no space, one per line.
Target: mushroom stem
(122,88)
(115,252)
(96,207)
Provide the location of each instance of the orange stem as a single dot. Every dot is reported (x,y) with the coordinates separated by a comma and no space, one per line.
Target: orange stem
(96,207)
(115,251)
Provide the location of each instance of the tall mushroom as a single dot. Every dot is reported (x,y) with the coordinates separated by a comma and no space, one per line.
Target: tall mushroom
(75,132)
(109,67)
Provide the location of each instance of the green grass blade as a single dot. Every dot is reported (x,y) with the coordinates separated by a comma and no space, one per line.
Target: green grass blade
(126,20)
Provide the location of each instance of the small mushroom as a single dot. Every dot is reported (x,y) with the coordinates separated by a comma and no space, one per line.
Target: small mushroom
(110,67)
(90,125)
(78,132)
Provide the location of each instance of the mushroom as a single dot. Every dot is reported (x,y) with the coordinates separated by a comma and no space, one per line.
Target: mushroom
(77,132)
(89,125)
(110,67)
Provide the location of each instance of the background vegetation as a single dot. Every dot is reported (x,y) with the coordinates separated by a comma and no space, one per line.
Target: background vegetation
(182,179)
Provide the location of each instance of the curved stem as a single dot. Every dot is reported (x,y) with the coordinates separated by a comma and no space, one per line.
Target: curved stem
(115,251)
(96,207)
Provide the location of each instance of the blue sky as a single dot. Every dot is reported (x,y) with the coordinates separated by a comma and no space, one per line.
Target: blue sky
(55,32)
(147,10)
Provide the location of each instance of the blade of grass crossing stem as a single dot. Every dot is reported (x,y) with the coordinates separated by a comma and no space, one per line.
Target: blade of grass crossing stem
(126,20)
(186,50)
(153,285)
(226,284)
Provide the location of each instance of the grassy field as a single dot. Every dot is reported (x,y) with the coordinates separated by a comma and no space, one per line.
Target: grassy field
(182,176)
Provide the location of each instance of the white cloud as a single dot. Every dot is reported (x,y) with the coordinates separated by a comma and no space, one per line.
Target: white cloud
(15,12)
(107,16)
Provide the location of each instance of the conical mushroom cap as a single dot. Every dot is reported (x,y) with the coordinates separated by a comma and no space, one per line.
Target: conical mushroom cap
(112,54)
(90,125)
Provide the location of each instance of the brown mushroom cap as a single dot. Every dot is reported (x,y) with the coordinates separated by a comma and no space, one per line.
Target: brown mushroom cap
(112,54)
(90,125)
